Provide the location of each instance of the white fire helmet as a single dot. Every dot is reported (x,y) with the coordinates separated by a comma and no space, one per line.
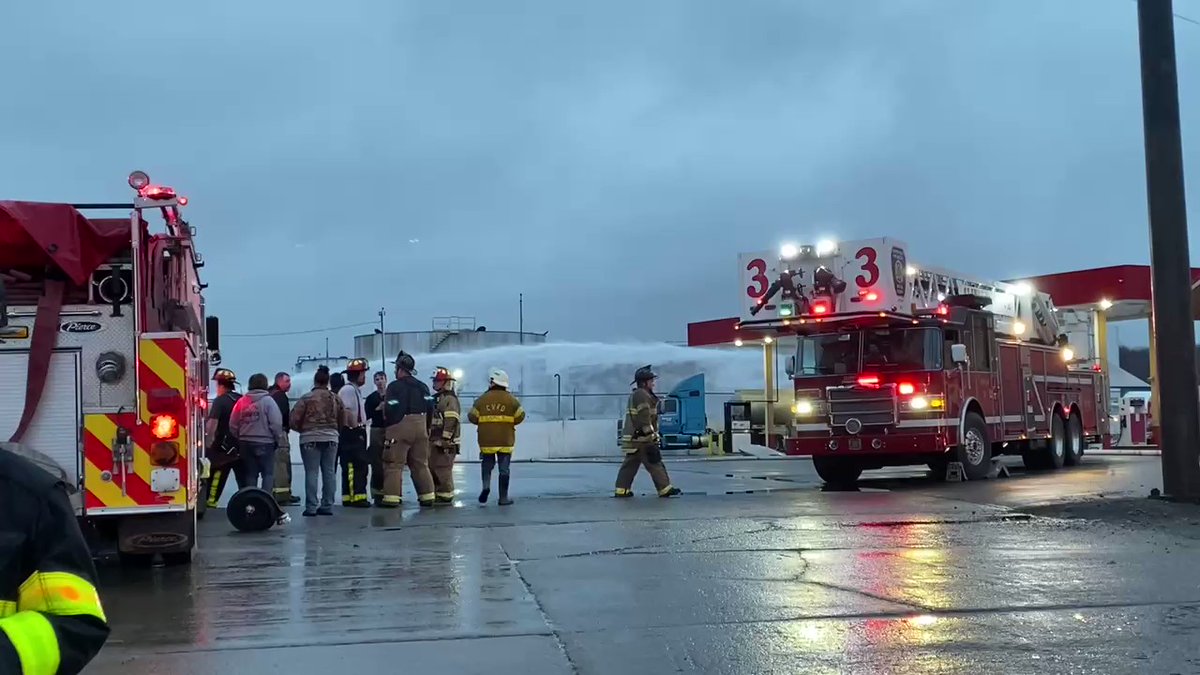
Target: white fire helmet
(498,377)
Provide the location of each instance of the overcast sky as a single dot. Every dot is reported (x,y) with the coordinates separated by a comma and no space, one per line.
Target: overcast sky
(607,159)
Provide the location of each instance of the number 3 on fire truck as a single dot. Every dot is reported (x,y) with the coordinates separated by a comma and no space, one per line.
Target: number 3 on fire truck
(757,272)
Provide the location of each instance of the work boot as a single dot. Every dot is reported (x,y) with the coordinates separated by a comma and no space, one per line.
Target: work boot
(487,487)
(427,502)
(443,500)
(293,500)
(504,500)
(672,492)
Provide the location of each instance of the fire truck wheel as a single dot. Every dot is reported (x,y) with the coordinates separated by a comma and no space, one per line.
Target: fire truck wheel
(252,509)
(975,450)
(1075,444)
(837,470)
(177,558)
(135,560)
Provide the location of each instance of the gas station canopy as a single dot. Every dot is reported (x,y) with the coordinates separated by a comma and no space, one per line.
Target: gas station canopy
(1127,287)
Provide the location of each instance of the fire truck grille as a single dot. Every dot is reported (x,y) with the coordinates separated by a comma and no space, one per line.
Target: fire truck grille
(869,406)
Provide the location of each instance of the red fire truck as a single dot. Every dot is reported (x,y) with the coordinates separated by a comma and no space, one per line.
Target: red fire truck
(105,362)
(897,364)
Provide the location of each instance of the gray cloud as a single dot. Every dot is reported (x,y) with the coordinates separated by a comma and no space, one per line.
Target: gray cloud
(606,159)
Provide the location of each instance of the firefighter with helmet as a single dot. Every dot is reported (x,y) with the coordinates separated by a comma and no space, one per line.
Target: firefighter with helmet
(406,435)
(497,414)
(443,434)
(640,439)
(51,619)
(221,446)
(352,437)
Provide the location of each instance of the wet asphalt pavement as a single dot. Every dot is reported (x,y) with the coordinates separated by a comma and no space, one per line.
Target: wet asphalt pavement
(754,570)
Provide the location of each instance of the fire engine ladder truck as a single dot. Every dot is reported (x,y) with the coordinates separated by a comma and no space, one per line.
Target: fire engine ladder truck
(1018,308)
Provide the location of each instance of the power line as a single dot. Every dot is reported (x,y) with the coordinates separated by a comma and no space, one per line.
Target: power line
(1181,17)
(300,332)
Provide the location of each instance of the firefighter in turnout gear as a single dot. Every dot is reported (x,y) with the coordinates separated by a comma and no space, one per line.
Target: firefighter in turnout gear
(406,436)
(443,435)
(51,619)
(639,438)
(222,448)
(497,413)
(352,439)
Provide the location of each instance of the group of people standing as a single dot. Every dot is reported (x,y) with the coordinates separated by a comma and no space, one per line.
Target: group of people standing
(374,437)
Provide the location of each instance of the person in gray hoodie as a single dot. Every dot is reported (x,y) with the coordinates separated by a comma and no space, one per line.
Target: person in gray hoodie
(258,426)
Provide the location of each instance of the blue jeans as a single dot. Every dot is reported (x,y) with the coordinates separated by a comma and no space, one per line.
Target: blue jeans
(258,459)
(319,458)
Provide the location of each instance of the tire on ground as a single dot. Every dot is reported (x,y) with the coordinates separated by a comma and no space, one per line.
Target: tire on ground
(1075,446)
(837,470)
(974,450)
(252,509)
(1050,455)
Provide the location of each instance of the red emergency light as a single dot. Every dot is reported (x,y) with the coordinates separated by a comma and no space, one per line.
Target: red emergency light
(164,426)
(868,380)
(820,307)
(906,388)
(870,296)
(157,192)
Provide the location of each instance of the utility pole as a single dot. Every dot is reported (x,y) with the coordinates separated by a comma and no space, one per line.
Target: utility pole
(521,314)
(1171,328)
(326,351)
(382,340)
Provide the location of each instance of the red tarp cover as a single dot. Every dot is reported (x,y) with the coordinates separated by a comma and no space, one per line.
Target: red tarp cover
(34,234)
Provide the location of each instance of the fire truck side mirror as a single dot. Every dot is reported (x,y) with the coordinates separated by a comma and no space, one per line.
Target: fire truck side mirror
(789,366)
(212,339)
(958,354)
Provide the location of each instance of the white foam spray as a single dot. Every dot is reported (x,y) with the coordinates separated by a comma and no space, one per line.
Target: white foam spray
(595,377)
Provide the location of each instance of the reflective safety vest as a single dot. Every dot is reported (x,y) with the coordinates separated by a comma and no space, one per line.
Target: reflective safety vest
(51,620)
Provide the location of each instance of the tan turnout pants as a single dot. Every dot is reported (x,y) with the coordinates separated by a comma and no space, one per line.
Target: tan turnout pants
(406,444)
(649,457)
(283,474)
(441,464)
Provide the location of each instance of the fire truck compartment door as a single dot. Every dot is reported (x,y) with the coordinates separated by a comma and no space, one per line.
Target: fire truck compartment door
(58,423)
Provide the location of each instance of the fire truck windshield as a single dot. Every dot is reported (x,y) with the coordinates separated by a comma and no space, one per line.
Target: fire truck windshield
(887,349)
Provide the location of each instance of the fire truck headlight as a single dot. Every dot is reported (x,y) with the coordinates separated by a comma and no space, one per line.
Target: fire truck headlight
(110,367)
(1068,354)
(1018,328)
(918,403)
(803,407)
(789,251)
(826,247)
(138,180)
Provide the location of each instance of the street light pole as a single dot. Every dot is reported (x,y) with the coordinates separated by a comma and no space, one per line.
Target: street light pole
(1171,326)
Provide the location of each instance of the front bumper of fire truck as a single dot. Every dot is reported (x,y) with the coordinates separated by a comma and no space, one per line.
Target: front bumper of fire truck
(821,440)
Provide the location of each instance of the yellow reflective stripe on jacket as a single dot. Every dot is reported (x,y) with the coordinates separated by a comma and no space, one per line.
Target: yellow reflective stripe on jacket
(33,638)
(497,419)
(503,450)
(7,608)
(451,415)
(60,593)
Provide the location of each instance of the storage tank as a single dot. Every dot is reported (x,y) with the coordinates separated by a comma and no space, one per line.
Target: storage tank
(447,334)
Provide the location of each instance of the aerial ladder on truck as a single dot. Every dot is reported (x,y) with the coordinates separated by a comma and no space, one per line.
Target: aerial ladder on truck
(1021,311)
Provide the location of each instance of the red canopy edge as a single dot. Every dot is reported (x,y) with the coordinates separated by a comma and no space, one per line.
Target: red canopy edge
(36,233)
